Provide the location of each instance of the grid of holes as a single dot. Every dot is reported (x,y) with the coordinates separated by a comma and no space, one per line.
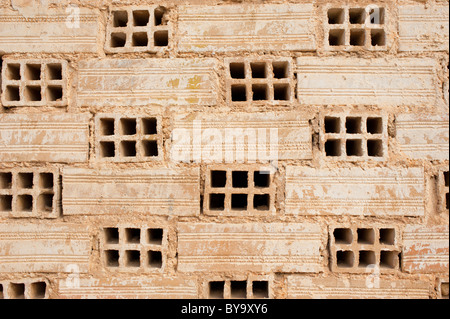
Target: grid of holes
(134,248)
(18,290)
(356,27)
(354,137)
(138,30)
(127,139)
(239,192)
(28,193)
(33,83)
(260,81)
(360,249)
(238,289)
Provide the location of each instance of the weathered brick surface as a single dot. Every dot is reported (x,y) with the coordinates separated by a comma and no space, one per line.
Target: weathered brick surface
(44,137)
(249,247)
(377,192)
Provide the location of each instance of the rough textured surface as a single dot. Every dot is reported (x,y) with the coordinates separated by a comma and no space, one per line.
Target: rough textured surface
(224,149)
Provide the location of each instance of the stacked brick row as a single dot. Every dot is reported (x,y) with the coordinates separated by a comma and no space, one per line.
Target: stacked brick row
(235,149)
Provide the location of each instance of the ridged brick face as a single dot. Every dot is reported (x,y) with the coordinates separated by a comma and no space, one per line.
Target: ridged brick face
(224,149)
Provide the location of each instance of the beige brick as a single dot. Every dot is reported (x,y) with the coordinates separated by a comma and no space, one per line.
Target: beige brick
(249,247)
(370,287)
(393,82)
(43,247)
(153,192)
(118,82)
(355,191)
(35,288)
(423,28)
(241,137)
(170,287)
(423,136)
(52,30)
(44,137)
(425,249)
(251,27)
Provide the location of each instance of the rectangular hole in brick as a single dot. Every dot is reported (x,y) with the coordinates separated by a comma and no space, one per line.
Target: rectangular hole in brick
(107,149)
(366,236)
(141,18)
(54,71)
(240,179)
(333,147)
(217,201)
(357,37)
(13,72)
(237,70)
(155,259)
(161,38)
(155,236)
(377,15)
(45,203)
(118,39)
(260,92)
(378,37)
(259,70)
(332,125)
(447,200)
(345,259)
(260,289)
(357,16)
(238,93)
(139,39)
(112,258)
(281,92)
(238,289)
(6,203)
(5,180)
(25,180)
(46,180)
(54,93)
(261,202)
(38,289)
(132,235)
(128,126)
(150,126)
(446,179)
(336,37)
(336,16)
(24,203)
(375,148)
(343,236)
(17,291)
(1,292)
(444,290)
(216,289)
(261,179)
(33,93)
(107,127)
(280,70)
(388,259)
(353,125)
(120,19)
(160,12)
(218,178)
(354,147)
(366,258)
(132,258)
(32,72)
(12,93)
(128,148)
(111,235)
(239,201)
(374,125)
(150,148)
(387,236)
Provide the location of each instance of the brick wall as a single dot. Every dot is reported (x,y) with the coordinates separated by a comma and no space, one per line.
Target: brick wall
(224,149)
